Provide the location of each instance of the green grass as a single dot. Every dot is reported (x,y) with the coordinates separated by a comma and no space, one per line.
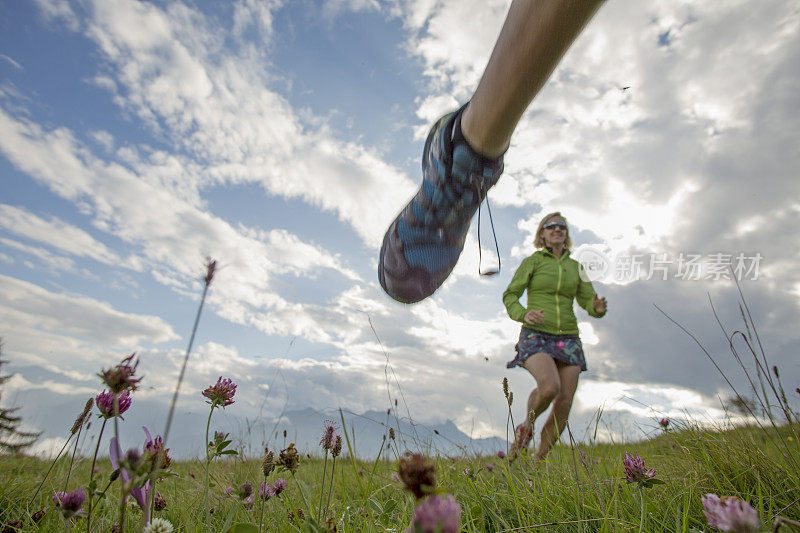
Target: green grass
(563,493)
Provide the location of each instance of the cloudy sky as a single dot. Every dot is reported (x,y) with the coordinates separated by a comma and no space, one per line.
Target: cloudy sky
(282,136)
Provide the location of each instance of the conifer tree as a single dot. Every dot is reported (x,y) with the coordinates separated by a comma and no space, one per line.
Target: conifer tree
(12,438)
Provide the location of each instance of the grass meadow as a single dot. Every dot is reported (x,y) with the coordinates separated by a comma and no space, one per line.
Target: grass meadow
(661,484)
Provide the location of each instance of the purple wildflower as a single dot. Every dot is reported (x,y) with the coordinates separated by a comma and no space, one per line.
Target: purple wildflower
(289,458)
(105,402)
(729,513)
(265,492)
(159,502)
(328,434)
(664,422)
(248,502)
(437,514)
(489,467)
(278,486)
(229,491)
(501,454)
(133,460)
(121,377)
(635,471)
(221,393)
(155,449)
(70,502)
(245,490)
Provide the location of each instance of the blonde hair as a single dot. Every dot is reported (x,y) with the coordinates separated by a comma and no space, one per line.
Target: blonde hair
(538,241)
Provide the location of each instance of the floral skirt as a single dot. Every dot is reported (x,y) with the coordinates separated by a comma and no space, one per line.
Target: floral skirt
(565,348)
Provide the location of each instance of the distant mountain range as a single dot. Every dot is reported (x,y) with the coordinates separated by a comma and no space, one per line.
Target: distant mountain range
(367,432)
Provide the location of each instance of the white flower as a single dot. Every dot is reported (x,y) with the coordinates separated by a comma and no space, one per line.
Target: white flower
(158,525)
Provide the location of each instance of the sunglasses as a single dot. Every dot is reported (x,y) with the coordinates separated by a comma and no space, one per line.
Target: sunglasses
(554,225)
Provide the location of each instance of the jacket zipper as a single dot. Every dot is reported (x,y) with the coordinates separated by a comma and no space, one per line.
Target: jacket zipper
(558,288)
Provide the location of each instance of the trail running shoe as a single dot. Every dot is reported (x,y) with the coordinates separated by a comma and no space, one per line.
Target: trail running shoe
(423,244)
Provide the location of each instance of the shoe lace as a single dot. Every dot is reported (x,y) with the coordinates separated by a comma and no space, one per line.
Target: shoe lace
(483,195)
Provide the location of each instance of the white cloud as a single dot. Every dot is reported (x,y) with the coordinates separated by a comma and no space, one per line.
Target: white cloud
(236,128)
(58,11)
(170,232)
(57,234)
(47,448)
(30,307)
(11,62)
(53,261)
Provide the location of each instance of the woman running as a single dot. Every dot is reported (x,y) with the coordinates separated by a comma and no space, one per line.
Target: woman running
(549,346)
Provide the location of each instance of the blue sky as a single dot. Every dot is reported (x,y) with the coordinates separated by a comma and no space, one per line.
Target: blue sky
(281,138)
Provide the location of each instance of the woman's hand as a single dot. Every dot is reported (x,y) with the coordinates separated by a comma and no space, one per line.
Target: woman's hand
(534,316)
(600,305)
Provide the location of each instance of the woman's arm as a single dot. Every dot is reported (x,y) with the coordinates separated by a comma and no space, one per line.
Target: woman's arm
(515,289)
(586,297)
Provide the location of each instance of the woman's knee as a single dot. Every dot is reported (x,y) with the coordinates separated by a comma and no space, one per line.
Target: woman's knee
(549,390)
(562,403)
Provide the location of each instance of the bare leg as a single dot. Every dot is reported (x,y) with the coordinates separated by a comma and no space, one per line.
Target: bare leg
(562,403)
(548,384)
(534,38)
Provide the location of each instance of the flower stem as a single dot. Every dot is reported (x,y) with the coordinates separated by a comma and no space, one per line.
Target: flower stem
(208,458)
(51,468)
(72,460)
(322,487)
(125,490)
(641,517)
(330,487)
(91,477)
(261,507)
(185,361)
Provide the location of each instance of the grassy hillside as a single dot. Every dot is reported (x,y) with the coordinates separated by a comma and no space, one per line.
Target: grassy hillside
(574,489)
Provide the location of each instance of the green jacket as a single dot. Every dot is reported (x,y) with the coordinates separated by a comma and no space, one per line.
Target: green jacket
(552,284)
